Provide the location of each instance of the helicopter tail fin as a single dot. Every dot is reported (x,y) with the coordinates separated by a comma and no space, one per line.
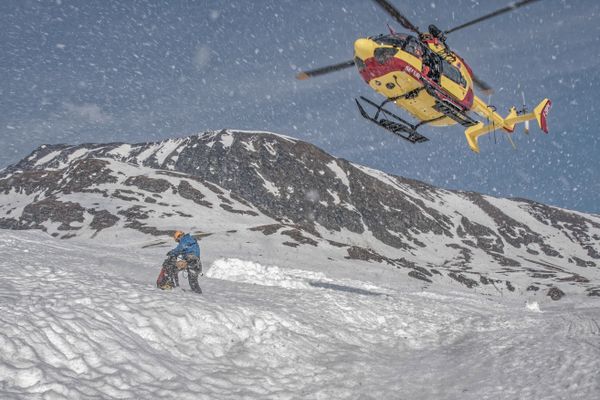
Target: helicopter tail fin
(540,113)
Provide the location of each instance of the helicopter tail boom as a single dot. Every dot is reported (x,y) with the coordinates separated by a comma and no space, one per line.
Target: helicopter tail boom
(514,117)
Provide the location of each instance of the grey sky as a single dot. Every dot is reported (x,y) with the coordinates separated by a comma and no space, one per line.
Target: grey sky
(99,71)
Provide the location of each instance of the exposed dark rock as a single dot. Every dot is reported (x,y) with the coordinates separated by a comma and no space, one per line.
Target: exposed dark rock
(299,237)
(485,237)
(574,278)
(422,270)
(134,213)
(11,223)
(188,192)
(213,188)
(227,207)
(583,263)
(118,194)
(51,209)
(149,184)
(513,232)
(28,182)
(505,261)
(468,282)
(542,276)
(420,276)
(150,230)
(575,224)
(402,263)
(102,220)
(240,200)
(360,253)
(465,254)
(532,288)
(225,199)
(555,293)
(86,173)
(267,229)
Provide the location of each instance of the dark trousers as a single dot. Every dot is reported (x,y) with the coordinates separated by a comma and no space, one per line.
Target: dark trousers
(194,269)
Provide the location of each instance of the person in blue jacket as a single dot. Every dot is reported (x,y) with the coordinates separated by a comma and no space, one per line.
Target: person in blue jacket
(186,256)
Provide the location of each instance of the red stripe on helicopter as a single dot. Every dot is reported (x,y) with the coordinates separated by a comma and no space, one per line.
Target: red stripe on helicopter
(373,69)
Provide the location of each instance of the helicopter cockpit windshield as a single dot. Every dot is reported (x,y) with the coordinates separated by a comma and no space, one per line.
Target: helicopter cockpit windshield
(394,39)
(414,47)
(408,43)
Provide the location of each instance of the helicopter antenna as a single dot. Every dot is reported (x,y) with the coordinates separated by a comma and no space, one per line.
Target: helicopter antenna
(493,108)
(392,31)
(511,141)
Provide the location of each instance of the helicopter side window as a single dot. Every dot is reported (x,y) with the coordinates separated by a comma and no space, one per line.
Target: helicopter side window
(452,73)
(414,47)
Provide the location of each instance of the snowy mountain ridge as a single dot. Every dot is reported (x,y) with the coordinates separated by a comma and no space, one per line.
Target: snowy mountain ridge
(273,195)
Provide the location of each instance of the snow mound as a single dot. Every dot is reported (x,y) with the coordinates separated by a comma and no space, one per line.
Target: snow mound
(250,272)
(75,322)
(533,306)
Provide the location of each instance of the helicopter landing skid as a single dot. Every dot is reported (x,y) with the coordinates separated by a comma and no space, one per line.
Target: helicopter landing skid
(399,127)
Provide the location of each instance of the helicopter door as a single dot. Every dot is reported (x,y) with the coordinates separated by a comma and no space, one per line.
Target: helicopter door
(453,80)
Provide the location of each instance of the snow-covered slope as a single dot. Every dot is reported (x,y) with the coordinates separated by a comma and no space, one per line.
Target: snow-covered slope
(83,320)
(324,279)
(277,198)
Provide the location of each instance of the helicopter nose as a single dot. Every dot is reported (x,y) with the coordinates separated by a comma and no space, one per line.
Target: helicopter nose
(364,48)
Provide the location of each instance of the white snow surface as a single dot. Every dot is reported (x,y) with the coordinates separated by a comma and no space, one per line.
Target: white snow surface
(339,172)
(83,319)
(47,158)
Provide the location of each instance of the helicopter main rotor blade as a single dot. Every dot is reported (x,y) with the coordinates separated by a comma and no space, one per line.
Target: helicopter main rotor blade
(510,7)
(324,70)
(390,9)
(482,85)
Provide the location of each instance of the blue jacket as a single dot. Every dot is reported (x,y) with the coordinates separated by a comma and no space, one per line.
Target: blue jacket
(187,245)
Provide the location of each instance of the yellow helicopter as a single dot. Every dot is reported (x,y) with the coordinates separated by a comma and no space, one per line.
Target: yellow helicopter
(422,75)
